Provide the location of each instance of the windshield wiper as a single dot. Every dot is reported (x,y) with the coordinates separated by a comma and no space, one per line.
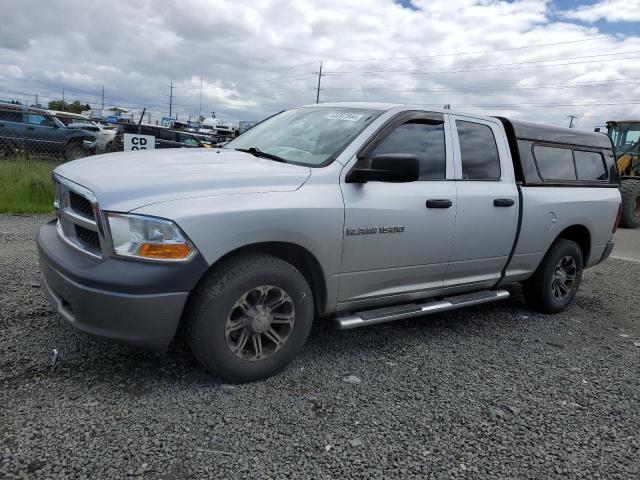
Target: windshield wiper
(255,151)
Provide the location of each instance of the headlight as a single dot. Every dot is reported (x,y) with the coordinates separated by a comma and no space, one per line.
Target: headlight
(148,238)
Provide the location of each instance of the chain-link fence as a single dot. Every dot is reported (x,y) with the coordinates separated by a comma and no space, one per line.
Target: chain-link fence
(36,135)
(34,141)
(32,134)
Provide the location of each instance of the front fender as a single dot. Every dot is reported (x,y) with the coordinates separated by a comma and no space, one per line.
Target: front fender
(311,217)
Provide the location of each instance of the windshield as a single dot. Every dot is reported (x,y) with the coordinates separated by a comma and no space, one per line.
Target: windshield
(306,136)
(625,137)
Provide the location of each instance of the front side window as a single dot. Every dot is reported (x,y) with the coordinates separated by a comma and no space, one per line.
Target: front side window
(590,165)
(423,138)
(554,163)
(310,136)
(478,151)
(42,120)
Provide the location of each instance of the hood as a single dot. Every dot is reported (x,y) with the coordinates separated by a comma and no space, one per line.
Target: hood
(125,181)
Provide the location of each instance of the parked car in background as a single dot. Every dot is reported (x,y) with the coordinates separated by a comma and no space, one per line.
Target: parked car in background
(205,140)
(105,134)
(33,131)
(165,137)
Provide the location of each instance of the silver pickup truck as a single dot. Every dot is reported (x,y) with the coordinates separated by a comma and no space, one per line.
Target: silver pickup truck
(364,213)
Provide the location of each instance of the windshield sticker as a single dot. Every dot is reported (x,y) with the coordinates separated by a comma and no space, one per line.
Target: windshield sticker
(349,117)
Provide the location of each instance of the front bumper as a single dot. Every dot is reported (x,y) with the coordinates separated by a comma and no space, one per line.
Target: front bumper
(119,300)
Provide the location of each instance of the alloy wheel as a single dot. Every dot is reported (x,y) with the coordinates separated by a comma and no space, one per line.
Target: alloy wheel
(260,323)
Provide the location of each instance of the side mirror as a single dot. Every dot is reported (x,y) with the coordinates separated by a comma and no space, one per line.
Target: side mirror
(388,167)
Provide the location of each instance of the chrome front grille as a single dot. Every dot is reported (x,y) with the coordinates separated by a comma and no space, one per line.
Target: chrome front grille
(78,217)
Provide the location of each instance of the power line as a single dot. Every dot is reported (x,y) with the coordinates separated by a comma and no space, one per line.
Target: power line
(487,51)
(476,68)
(500,88)
(275,69)
(268,81)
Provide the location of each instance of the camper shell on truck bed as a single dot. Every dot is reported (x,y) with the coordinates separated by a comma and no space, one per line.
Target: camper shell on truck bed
(526,139)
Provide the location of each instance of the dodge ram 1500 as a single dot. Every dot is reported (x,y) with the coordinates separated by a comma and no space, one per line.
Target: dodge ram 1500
(364,213)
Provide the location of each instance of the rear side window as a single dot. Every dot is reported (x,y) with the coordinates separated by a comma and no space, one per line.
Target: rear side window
(423,138)
(188,140)
(590,165)
(10,116)
(479,152)
(165,135)
(554,163)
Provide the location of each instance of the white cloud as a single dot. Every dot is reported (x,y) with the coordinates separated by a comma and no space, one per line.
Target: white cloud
(609,10)
(257,58)
(13,71)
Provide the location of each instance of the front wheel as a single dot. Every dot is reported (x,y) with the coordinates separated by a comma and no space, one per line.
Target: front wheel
(555,283)
(249,317)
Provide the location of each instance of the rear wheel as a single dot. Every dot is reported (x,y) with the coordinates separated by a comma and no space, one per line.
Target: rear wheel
(249,318)
(630,192)
(555,283)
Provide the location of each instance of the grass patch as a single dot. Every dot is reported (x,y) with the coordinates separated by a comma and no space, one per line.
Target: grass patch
(26,186)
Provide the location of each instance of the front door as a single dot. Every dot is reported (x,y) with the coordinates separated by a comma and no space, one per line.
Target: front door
(43,135)
(397,237)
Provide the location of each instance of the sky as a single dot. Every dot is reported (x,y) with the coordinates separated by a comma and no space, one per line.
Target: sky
(529,59)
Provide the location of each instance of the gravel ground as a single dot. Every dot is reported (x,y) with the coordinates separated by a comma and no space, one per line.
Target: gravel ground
(491,392)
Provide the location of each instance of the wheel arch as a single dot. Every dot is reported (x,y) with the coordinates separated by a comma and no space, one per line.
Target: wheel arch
(582,236)
(298,256)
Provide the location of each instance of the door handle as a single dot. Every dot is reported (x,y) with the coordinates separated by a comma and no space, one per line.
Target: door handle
(503,202)
(29,128)
(439,203)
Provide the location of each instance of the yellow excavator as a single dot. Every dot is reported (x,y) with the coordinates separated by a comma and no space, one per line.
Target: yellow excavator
(625,135)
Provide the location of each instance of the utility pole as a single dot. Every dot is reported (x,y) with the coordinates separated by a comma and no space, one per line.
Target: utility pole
(170,98)
(102,100)
(63,99)
(318,89)
(200,110)
(571,117)
(36,105)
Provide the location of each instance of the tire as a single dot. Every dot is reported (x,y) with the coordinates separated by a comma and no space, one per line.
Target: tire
(220,303)
(541,290)
(111,147)
(630,192)
(74,151)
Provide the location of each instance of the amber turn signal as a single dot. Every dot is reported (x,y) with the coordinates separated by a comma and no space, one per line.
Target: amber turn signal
(171,251)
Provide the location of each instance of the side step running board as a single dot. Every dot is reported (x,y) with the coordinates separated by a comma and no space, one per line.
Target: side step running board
(388,314)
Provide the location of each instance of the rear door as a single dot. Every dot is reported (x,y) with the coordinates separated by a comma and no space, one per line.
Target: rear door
(12,129)
(43,135)
(397,238)
(487,214)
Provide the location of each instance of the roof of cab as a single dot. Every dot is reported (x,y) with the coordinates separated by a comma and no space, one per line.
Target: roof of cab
(523,130)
